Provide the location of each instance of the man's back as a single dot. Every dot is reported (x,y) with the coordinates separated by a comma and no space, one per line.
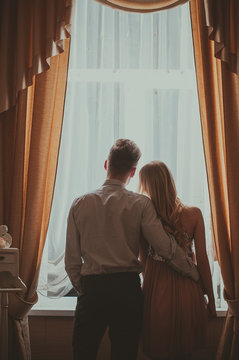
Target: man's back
(109,225)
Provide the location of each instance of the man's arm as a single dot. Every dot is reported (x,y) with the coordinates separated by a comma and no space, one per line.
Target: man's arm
(73,260)
(143,252)
(165,245)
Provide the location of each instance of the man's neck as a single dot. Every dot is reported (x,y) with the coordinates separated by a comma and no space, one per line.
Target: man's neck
(123,179)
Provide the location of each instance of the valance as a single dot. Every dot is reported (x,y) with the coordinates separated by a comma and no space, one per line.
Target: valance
(142,5)
(31,31)
(223,28)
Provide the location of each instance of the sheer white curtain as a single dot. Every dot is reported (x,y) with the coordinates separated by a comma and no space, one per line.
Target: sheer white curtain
(132,76)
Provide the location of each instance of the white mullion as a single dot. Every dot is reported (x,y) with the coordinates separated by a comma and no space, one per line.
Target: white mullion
(184,36)
(116,46)
(156,57)
(84,36)
(140,42)
(151,78)
(101,37)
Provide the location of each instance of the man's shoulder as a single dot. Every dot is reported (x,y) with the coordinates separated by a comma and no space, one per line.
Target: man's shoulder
(100,192)
(136,195)
(84,197)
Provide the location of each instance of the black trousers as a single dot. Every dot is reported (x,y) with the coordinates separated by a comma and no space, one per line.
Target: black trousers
(113,300)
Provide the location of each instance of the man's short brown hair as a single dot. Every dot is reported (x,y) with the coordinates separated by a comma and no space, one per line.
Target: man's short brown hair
(123,156)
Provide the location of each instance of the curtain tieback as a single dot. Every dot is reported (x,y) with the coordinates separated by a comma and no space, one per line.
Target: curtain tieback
(233,305)
(19,307)
(28,302)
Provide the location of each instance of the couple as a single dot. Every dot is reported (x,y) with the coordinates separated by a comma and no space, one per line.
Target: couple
(107,230)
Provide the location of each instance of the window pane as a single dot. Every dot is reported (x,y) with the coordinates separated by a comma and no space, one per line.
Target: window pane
(130,75)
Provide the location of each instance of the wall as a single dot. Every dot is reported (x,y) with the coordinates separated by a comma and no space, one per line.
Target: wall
(51,339)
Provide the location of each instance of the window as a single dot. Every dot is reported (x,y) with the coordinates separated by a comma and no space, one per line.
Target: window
(130,75)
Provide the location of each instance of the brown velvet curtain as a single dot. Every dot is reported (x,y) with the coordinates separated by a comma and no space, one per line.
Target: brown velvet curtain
(222,19)
(29,144)
(31,31)
(218,91)
(142,5)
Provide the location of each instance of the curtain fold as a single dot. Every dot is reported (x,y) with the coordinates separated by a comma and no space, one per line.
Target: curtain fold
(142,5)
(29,143)
(218,91)
(31,31)
(223,28)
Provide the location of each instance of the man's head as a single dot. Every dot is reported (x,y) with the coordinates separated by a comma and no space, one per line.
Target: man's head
(123,158)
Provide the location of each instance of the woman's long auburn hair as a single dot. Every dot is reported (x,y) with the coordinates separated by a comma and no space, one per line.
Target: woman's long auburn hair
(156,180)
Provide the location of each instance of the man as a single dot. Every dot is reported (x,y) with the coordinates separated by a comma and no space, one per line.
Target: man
(102,248)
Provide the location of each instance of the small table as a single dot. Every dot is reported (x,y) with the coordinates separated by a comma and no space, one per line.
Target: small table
(9,282)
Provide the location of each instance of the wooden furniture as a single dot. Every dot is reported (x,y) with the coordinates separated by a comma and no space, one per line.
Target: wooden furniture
(9,282)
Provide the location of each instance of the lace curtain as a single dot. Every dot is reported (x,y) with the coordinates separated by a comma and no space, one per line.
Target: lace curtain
(130,75)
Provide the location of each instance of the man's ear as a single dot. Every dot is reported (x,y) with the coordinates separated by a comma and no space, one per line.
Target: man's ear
(105,165)
(132,172)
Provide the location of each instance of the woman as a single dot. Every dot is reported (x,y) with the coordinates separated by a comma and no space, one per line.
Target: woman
(175,316)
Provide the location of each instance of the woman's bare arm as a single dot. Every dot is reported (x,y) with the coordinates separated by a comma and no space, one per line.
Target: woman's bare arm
(202,259)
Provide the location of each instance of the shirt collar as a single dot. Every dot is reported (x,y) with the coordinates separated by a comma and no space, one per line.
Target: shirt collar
(113,182)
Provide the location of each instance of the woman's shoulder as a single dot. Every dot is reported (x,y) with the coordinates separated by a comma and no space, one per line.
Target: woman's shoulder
(192,211)
(190,215)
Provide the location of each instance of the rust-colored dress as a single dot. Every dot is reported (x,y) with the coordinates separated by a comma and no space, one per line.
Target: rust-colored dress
(175,317)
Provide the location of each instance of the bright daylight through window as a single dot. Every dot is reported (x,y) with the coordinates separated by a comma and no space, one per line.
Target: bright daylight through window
(131,76)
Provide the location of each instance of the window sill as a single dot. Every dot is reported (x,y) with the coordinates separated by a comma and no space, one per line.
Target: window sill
(66,307)
(52,312)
